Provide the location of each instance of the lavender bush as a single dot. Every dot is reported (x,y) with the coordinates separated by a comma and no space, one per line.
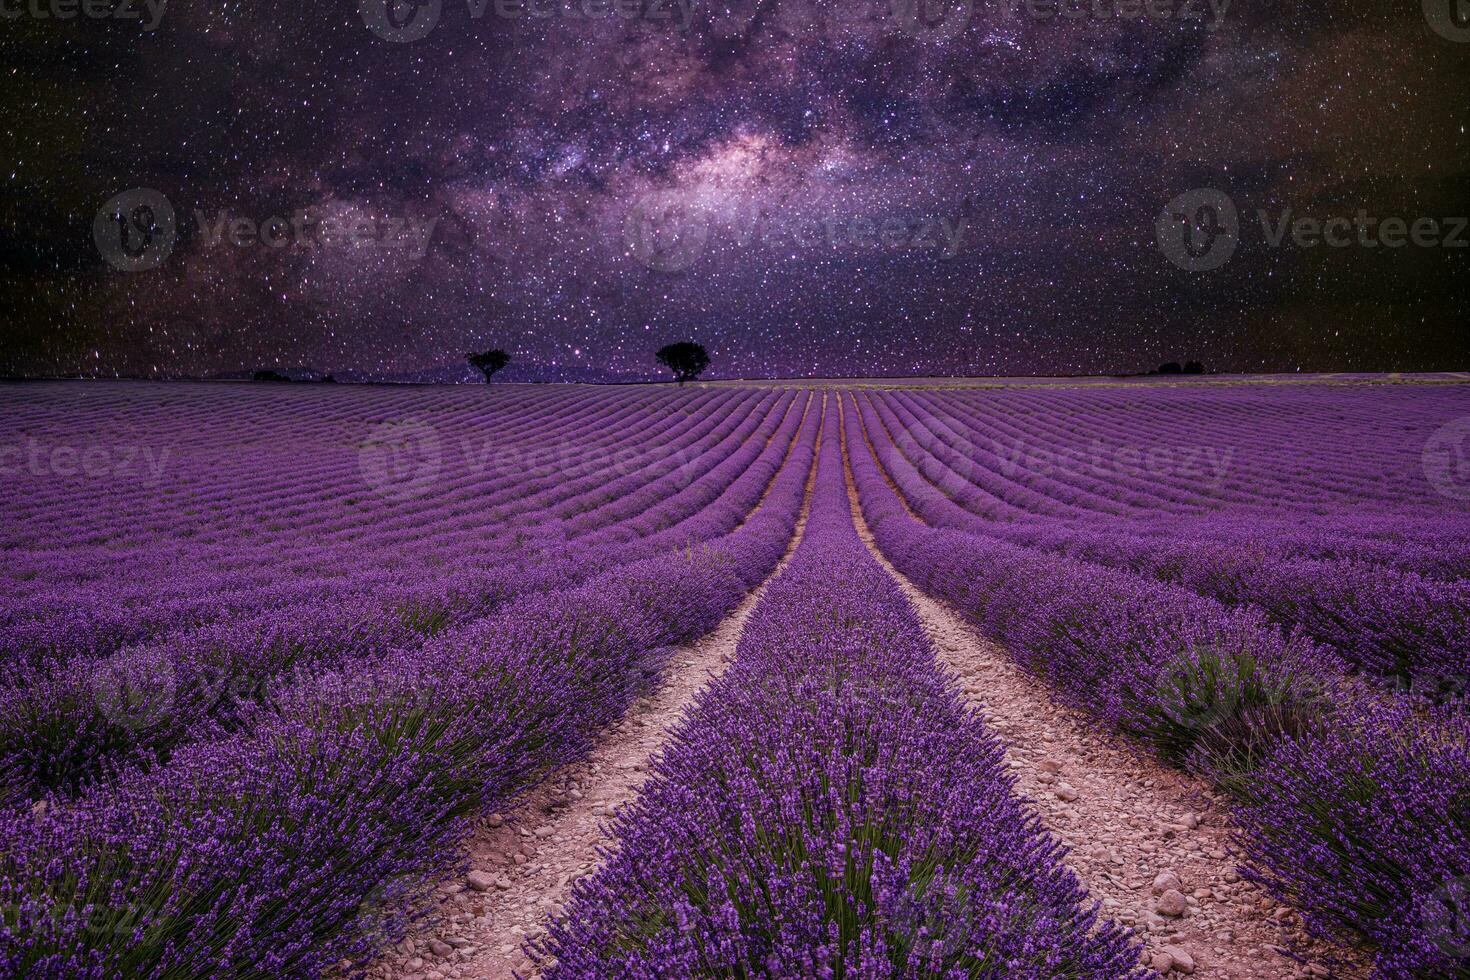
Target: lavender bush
(831,809)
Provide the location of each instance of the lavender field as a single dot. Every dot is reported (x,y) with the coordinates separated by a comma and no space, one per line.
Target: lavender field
(840,680)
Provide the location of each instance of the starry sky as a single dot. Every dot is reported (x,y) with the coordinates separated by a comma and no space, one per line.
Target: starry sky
(808,188)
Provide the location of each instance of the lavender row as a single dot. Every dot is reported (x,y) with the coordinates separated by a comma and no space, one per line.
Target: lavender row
(61,721)
(1351,802)
(69,627)
(1380,619)
(831,808)
(205,599)
(1294,447)
(1161,474)
(309,838)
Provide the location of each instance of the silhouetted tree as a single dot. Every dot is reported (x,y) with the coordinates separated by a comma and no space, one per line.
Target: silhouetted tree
(1194,367)
(686,359)
(489,362)
(1171,368)
(266,375)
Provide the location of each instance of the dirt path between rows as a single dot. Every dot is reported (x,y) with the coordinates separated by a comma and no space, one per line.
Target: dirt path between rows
(1151,843)
(524,861)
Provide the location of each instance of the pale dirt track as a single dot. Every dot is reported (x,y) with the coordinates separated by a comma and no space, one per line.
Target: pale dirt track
(525,861)
(1126,818)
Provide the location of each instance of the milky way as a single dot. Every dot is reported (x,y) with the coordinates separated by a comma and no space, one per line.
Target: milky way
(808,189)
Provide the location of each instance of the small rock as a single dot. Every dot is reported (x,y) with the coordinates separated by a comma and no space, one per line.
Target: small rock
(1050,765)
(1183,962)
(1172,903)
(495,820)
(1162,962)
(440,947)
(480,881)
(1165,881)
(1065,793)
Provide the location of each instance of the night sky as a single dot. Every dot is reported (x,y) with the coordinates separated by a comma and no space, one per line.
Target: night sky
(808,189)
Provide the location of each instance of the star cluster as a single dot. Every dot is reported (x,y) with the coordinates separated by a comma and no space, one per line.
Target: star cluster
(864,188)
